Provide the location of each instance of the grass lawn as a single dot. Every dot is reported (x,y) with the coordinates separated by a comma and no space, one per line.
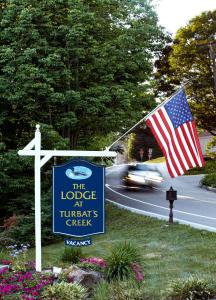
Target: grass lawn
(157,160)
(168,252)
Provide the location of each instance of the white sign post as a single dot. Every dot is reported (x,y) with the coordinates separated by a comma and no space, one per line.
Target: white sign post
(47,154)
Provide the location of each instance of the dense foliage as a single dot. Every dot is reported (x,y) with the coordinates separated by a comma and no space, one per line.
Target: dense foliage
(210,167)
(210,148)
(191,58)
(75,67)
(68,63)
(210,180)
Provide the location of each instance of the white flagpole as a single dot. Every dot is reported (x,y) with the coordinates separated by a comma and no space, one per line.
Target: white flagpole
(149,114)
(38,198)
(125,133)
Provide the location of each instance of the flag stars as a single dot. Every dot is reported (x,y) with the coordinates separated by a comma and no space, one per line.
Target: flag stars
(178,110)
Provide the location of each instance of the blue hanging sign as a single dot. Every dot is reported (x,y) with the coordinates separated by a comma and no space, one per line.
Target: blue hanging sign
(78,198)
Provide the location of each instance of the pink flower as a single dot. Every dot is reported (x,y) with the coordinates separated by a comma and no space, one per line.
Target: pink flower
(139,276)
(138,271)
(6,289)
(35,294)
(95,260)
(28,284)
(3,270)
(6,262)
(136,267)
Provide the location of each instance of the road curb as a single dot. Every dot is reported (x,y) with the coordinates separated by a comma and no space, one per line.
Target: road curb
(209,188)
(162,217)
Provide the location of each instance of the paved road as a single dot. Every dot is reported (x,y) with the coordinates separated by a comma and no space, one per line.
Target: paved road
(195,205)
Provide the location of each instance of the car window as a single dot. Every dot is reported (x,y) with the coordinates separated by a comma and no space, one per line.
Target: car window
(131,168)
(142,167)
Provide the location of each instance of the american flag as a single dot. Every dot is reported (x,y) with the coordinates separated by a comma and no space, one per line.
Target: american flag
(174,129)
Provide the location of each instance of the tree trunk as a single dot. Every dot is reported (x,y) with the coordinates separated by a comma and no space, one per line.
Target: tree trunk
(73,140)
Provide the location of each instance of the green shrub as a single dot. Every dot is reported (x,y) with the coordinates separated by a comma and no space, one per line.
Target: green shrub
(120,290)
(210,180)
(64,291)
(120,260)
(210,166)
(72,254)
(4,255)
(191,289)
(211,144)
(24,230)
(5,241)
(196,171)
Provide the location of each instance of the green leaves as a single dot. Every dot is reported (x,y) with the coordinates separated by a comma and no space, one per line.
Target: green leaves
(76,68)
(120,260)
(81,59)
(189,60)
(64,291)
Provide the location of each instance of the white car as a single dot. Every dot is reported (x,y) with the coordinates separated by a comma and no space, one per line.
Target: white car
(142,175)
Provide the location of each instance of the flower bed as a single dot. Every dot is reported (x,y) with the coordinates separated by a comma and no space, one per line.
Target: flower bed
(23,285)
(102,264)
(19,281)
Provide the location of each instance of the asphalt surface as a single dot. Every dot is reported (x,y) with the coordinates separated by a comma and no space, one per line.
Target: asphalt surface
(194,206)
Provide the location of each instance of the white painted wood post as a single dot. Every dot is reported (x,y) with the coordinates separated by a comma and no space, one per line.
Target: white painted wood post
(38,198)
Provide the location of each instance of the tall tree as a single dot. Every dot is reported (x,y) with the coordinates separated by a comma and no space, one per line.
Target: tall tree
(70,63)
(75,66)
(165,80)
(192,61)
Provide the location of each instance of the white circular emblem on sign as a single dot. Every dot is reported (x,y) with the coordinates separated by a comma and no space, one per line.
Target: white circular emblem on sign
(78,173)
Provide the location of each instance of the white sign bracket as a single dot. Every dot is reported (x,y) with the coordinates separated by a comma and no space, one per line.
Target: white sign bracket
(47,155)
(30,145)
(45,159)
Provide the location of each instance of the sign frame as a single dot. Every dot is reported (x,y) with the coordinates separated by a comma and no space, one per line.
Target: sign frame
(38,164)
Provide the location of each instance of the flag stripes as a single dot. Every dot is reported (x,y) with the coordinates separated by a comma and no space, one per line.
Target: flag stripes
(174,139)
(180,145)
